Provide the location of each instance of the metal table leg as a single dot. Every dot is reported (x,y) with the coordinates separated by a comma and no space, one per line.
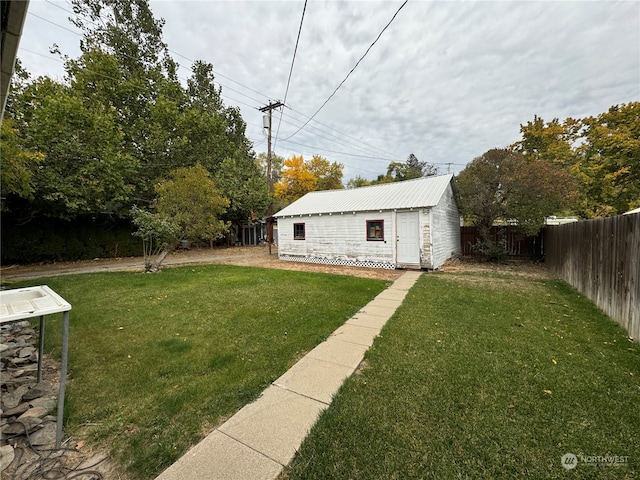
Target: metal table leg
(63,376)
(40,348)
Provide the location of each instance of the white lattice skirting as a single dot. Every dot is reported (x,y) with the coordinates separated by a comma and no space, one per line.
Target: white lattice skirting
(336,261)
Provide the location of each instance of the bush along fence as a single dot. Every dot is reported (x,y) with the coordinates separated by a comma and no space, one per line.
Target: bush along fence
(601,259)
(507,239)
(51,240)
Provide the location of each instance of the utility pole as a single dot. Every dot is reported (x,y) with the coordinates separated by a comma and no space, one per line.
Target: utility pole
(267,124)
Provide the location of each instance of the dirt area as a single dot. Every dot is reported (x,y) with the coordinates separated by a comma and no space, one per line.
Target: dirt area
(257,257)
(242,256)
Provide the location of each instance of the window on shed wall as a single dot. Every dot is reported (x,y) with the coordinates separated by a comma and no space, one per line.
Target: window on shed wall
(298,231)
(375,230)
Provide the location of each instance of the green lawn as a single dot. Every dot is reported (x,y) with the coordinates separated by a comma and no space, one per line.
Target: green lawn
(484,376)
(158,360)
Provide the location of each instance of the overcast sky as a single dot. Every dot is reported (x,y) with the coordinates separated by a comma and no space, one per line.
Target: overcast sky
(446,81)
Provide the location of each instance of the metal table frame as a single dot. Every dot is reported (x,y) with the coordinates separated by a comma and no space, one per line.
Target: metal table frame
(32,302)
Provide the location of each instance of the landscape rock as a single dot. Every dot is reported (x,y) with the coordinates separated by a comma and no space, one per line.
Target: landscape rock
(19,410)
(13,399)
(47,402)
(6,456)
(26,352)
(40,390)
(44,436)
(38,412)
(27,424)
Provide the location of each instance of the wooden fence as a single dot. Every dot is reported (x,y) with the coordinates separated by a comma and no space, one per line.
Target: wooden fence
(517,245)
(601,259)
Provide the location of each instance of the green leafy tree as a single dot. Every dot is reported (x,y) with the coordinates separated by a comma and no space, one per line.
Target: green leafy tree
(601,153)
(277,165)
(18,164)
(84,169)
(328,174)
(412,168)
(241,181)
(158,234)
(191,200)
(358,182)
(609,167)
(504,185)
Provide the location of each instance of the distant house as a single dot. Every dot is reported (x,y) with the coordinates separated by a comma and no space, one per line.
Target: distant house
(410,224)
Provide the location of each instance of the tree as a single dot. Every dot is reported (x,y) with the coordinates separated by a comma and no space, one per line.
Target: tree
(121,120)
(328,174)
(601,153)
(609,167)
(504,185)
(412,168)
(84,168)
(17,164)
(241,181)
(277,164)
(301,177)
(191,200)
(158,234)
(358,182)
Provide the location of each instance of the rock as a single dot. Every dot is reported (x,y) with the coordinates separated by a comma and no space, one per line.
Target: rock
(40,390)
(19,428)
(47,402)
(26,352)
(45,435)
(19,410)
(38,412)
(3,347)
(6,456)
(13,399)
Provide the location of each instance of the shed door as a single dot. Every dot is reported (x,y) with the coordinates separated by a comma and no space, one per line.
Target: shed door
(408,243)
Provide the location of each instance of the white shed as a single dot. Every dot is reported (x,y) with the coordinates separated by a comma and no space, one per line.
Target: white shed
(410,224)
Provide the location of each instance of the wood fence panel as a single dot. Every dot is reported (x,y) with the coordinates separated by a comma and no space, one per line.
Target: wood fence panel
(601,259)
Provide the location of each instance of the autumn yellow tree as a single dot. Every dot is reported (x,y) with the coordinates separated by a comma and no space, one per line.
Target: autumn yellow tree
(300,177)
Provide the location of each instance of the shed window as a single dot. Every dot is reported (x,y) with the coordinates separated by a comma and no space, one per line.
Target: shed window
(298,231)
(375,230)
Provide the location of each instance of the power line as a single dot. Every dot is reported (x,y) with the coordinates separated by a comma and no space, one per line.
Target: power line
(370,147)
(351,71)
(366,147)
(295,50)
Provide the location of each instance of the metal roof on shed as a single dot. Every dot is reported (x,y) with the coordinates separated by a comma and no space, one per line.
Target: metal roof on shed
(418,193)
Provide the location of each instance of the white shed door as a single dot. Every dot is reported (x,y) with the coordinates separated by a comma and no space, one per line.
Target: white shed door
(408,238)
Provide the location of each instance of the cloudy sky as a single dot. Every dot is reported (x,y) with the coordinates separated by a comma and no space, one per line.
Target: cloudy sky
(446,81)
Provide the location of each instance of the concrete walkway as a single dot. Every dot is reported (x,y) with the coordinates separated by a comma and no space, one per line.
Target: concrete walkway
(262,437)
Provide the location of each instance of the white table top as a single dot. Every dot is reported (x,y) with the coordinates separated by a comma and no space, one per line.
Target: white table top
(29,302)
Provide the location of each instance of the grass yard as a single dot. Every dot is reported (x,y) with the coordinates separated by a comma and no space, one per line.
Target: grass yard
(157,360)
(484,376)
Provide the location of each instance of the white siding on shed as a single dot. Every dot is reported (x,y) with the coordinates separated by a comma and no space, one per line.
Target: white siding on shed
(337,237)
(446,229)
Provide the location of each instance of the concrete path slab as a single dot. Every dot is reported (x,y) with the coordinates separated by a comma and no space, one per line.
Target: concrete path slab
(356,334)
(368,320)
(220,457)
(342,353)
(313,378)
(263,436)
(275,424)
(377,310)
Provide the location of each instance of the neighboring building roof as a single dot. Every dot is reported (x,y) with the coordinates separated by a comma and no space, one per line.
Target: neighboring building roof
(418,193)
(635,210)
